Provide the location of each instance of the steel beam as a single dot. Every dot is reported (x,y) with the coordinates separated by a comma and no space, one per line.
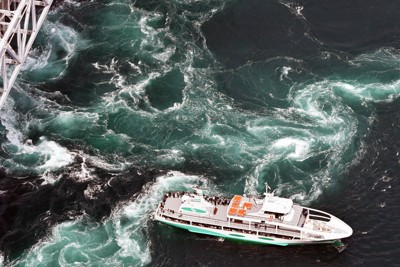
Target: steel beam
(20,21)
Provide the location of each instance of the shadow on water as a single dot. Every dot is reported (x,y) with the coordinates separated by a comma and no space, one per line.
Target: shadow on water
(201,250)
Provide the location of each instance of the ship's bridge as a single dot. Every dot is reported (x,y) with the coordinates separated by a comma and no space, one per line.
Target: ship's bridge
(277,205)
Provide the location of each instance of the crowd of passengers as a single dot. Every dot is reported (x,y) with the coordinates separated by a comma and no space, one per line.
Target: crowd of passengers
(214,199)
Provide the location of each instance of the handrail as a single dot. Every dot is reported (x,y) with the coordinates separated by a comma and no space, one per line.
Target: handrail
(269,228)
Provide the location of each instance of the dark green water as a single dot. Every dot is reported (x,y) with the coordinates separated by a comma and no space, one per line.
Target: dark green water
(123,100)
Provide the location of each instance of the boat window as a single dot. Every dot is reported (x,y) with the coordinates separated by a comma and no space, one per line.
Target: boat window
(319,218)
(313,212)
(316,215)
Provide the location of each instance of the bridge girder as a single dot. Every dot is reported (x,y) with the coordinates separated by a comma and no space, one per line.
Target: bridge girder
(20,22)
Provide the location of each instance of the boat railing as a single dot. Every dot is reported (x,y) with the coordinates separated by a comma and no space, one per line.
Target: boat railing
(259,228)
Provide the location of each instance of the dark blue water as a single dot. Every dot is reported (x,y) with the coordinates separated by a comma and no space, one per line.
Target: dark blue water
(122,100)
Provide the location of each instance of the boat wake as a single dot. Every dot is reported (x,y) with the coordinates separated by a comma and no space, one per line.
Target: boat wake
(118,93)
(121,239)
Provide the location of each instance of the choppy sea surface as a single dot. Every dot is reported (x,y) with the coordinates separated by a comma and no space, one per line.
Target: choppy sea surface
(121,101)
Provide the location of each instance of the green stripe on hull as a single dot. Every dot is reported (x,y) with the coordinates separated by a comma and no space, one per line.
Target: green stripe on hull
(193,229)
(199,230)
(236,235)
(203,231)
(266,238)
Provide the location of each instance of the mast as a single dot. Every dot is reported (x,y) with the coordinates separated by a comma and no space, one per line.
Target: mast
(266,189)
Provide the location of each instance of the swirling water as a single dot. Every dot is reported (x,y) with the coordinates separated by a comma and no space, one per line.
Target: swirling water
(123,100)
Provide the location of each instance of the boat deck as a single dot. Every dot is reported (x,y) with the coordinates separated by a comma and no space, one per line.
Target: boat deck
(173,203)
(219,218)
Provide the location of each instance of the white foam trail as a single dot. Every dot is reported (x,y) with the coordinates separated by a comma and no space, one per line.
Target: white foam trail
(166,55)
(307,103)
(122,237)
(386,58)
(59,37)
(56,155)
(301,147)
(285,72)
(37,59)
(129,237)
(49,154)
(73,123)
(322,126)
(14,136)
(171,157)
(49,178)
(127,92)
(153,39)
(294,8)
(72,2)
(53,155)
(107,68)
(372,92)
(304,117)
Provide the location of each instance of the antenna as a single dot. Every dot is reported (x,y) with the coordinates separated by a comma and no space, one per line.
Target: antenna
(266,188)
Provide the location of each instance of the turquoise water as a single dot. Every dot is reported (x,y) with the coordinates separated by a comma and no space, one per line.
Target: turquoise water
(121,101)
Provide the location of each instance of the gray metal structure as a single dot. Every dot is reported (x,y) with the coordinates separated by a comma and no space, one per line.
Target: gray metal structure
(20,21)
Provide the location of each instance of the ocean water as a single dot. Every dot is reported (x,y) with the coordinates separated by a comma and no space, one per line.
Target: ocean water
(121,101)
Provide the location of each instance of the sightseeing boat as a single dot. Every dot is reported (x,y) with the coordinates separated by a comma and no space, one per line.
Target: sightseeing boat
(271,220)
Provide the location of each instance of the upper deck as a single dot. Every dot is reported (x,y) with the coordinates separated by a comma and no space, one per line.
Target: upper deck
(250,220)
(252,216)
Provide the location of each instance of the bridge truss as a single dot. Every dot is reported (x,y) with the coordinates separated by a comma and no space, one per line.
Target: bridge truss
(20,21)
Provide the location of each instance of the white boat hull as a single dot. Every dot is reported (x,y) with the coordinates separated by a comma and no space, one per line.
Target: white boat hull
(244,237)
(272,220)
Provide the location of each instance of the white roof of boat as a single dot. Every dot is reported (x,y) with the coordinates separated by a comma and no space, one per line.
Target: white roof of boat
(277,204)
